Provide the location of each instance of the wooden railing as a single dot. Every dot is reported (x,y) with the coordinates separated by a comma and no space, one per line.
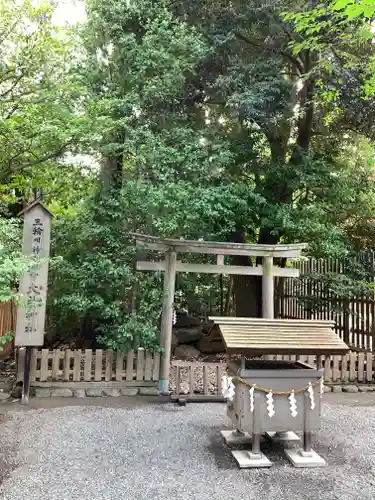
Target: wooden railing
(91,366)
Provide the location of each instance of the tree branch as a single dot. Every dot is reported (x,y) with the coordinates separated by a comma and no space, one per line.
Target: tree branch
(283,53)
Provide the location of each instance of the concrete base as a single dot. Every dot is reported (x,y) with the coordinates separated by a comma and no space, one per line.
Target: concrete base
(300,458)
(283,437)
(163,387)
(247,460)
(232,438)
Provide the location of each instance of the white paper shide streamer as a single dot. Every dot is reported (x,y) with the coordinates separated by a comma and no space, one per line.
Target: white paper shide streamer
(174,317)
(251,393)
(228,388)
(321,387)
(293,404)
(270,405)
(310,390)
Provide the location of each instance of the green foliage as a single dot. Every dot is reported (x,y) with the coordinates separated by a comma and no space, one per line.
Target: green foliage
(38,100)
(13,264)
(200,122)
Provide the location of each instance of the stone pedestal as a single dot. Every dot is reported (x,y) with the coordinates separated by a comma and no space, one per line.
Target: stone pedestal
(300,458)
(234,437)
(247,459)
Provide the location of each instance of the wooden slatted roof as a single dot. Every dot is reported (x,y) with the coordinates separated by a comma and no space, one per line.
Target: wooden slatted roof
(256,336)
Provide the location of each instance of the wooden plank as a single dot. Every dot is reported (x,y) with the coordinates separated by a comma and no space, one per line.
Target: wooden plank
(148,366)
(130,366)
(108,365)
(44,365)
(327,369)
(344,368)
(102,384)
(33,365)
(352,366)
(98,364)
(180,362)
(156,366)
(191,379)
(361,367)
(183,267)
(178,378)
(66,364)
(335,368)
(219,374)
(140,371)
(87,366)
(119,365)
(21,363)
(55,364)
(77,356)
(210,398)
(205,380)
(369,363)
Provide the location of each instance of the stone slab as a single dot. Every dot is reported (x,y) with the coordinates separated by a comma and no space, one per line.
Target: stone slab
(94,393)
(337,388)
(245,461)
(284,437)
(350,388)
(231,438)
(4,396)
(363,388)
(298,460)
(42,393)
(79,393)
(61,393)
(129,391)
(149,391)
(112,393)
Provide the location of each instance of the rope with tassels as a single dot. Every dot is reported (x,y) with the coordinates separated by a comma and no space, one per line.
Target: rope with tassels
(276,393)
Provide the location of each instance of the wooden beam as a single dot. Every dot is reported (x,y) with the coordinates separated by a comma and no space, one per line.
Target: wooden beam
(160,247)
(218,248)
(166,320)
(268,288)
(183,267)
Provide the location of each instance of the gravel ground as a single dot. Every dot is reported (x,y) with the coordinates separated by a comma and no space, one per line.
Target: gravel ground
(167,452)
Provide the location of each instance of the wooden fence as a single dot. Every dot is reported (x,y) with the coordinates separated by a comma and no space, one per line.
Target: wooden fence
(200,380)
(311,297)
(92,366)
(190,379)
(355,367)
(7,324)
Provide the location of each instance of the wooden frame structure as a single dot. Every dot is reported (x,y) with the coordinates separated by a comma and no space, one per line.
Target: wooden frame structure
(171,247)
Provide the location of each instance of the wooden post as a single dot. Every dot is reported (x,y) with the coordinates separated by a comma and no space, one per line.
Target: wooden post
(33,285)
(267,288)
(166,320)
(26,376)
(306,423)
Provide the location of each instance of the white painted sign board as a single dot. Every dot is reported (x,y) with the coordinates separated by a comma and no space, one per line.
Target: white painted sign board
(33,285)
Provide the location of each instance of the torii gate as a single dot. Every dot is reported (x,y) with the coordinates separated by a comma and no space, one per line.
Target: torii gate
(171,247)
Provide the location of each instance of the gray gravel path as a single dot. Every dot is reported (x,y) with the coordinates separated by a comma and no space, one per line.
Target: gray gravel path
(163,452)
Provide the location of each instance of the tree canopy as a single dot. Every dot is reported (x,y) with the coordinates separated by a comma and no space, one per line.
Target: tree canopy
(248,122)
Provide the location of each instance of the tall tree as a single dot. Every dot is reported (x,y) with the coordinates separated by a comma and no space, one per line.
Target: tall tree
(38,120)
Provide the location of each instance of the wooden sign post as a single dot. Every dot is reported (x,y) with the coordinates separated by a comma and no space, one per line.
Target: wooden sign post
(31,311)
